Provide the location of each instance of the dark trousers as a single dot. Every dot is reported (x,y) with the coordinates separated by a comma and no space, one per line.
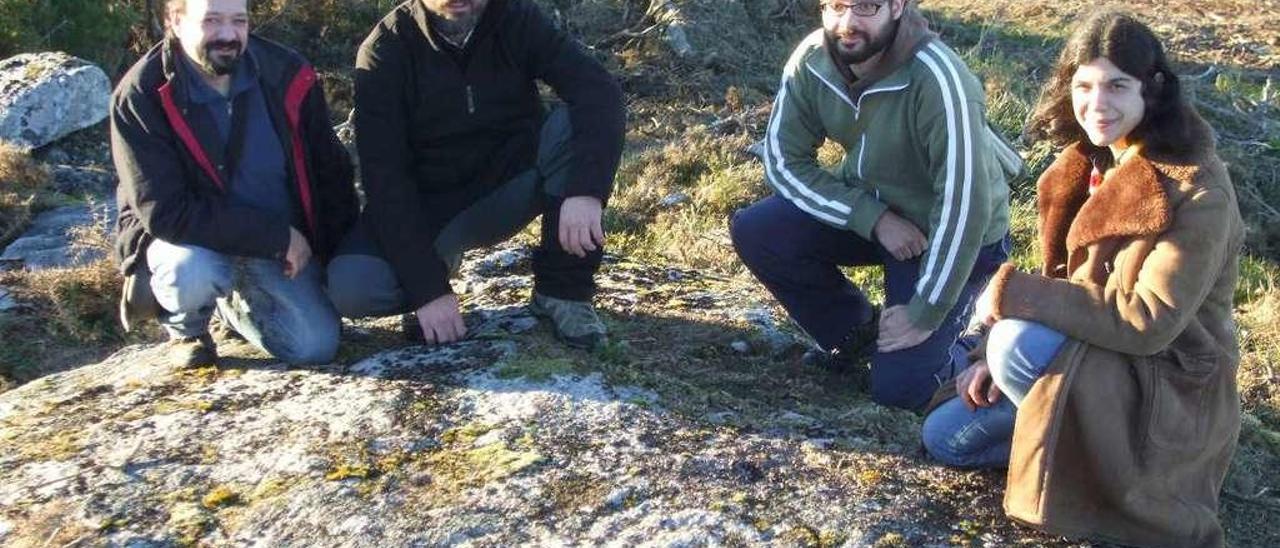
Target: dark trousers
(797,258)
(362,283)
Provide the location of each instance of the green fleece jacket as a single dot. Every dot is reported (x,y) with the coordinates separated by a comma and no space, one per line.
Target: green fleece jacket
(916,142)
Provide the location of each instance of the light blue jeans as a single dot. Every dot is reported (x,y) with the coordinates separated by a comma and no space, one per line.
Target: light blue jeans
(291,319)
(1018,353)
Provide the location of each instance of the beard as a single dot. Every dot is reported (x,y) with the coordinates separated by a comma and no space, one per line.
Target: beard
(218,63)
(871,44)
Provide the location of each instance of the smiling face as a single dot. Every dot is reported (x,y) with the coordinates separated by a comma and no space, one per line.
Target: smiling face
(214,33)
(1107,102)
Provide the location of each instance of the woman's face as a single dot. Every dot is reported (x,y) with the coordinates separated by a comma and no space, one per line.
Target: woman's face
(1107,102)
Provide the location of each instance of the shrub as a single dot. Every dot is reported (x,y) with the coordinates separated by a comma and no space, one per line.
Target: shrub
(92,29)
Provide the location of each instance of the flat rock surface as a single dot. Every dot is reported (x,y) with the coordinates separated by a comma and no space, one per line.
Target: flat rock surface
(49,241)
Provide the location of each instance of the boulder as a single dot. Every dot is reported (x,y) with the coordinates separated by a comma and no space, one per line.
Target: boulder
(46,96)
(49,241)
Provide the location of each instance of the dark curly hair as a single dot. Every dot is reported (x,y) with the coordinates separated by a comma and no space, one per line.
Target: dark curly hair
(1168,122)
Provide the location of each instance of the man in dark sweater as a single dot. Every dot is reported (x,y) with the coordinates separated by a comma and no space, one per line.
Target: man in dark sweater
(458,152)
(233,188)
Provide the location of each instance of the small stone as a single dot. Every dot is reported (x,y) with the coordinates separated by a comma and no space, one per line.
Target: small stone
(618,497)
(674,199)
(819,443)
(7,302)
(741,347)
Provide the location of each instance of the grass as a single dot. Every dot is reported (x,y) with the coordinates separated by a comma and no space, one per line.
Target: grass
(22,180)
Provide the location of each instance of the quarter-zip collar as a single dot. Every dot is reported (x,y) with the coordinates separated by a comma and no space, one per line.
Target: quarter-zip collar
(485,26)
(200,92)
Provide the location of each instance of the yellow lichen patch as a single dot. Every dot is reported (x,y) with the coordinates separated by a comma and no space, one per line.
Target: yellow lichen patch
(346,470)
(890,540)
(60,446)
(471,467)
(271,487)
(188,522)
(870,477)
(465,434)
(219,497)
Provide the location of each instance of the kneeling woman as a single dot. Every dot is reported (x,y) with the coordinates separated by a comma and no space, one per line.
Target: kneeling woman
(1119,357)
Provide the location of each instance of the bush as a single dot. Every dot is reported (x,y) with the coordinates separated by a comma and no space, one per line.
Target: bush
(92,29)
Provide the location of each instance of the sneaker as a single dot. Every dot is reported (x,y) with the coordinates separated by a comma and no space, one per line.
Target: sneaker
(193,352)
(576,322)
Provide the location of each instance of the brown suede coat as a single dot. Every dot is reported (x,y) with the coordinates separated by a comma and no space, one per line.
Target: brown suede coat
(1128,435)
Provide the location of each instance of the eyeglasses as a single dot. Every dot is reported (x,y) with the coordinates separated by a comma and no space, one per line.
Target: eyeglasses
(861,9)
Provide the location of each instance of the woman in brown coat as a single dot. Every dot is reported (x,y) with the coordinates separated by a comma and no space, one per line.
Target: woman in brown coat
(1119,356)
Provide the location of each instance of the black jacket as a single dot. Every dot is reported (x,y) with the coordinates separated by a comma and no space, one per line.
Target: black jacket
(173,168)
(437,127)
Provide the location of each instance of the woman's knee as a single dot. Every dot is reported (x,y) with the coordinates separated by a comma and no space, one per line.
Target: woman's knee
(1018,352)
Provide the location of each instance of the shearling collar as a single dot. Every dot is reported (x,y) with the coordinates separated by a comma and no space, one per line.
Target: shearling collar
(1131,202)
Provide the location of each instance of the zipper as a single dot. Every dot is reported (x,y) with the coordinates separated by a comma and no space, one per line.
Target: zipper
(471,101)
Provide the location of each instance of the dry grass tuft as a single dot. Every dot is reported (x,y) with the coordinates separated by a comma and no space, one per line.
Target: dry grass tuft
(1259,381)
(71,312)
(21,179)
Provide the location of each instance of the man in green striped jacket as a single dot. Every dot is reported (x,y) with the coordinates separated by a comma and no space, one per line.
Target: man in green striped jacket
(922,190)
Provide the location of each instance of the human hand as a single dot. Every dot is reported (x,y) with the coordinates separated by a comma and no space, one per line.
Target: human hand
(899,236)
(440,320)
(897,331)
(975,387)
(296,257)
(580,228)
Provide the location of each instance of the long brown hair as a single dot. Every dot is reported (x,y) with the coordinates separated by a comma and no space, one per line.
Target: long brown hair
(1168,124)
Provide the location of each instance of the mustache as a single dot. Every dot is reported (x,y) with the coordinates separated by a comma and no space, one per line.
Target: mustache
(221,44)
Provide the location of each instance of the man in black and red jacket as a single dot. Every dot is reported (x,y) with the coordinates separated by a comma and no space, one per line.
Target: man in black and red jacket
(234,189)
(457,151)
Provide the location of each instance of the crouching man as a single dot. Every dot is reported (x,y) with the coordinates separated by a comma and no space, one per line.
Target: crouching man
(921,191)
(458,152)
(233,190)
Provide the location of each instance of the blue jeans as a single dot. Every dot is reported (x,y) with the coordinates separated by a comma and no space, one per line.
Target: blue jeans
(1018,352)
(798,259)
(291,319)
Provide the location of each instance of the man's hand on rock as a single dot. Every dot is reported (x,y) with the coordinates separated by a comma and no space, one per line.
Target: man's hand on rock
(441,321)
(902,239)
(580,228)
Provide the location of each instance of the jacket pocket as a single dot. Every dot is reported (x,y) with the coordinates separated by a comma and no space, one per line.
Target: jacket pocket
(1174,410)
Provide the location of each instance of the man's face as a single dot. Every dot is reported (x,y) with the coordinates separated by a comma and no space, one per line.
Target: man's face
(214,33)
(860,29)
(458,11)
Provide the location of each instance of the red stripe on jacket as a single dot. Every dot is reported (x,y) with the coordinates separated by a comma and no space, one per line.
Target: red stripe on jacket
(188,138)
(298,89)
(294,96)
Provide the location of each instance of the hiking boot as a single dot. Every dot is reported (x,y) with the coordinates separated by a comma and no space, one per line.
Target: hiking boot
(193,352)
(576,322)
